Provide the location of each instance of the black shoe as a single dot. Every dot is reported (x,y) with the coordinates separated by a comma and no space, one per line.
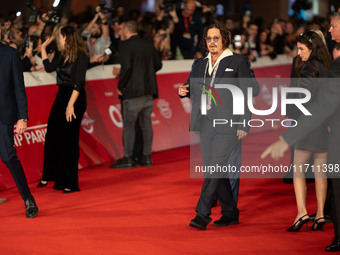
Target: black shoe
(31,207)
(68,190)
(335,245)
(146,160)
(318,225)
(137,161)
(225,221)
(198,222)
(328,218)
(312,217)
(214,204)
(298,224)
(40,184)
(125,163)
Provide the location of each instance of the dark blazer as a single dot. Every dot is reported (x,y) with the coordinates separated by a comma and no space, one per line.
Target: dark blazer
(325,106)
(310,70)
(13,102)
(139,64)
(237,68)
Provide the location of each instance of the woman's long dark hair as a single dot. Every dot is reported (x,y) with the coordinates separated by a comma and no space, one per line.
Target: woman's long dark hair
(73,43)
(314,42)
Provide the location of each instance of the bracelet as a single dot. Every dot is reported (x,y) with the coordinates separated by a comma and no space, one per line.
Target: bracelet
(105,23)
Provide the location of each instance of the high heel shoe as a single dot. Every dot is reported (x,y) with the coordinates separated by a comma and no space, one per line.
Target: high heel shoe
(317,225)
(298,224)
(40,184)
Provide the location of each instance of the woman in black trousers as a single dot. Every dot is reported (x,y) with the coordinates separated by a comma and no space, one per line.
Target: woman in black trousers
(61,154)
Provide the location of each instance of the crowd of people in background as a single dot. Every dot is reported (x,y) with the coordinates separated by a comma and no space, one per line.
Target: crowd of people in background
(175,32)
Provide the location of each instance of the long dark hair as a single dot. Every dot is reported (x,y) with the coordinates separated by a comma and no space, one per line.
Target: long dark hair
(73,43)
(225,33)
(314,42)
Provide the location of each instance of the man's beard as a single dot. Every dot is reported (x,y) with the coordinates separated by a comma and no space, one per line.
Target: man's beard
(213,51)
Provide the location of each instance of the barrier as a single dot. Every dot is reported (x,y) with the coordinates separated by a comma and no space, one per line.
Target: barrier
(101,130)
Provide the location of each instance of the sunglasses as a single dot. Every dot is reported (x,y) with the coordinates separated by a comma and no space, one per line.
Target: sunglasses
(215,38)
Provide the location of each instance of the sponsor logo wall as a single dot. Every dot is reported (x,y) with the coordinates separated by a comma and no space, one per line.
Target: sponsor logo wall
(101,130)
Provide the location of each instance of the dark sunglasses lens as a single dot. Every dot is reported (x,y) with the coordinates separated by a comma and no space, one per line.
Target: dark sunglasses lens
(216,38)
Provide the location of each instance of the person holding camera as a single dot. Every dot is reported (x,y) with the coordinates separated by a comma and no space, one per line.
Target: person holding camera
(189,27)
(161,42)
(97,37)
(32,57)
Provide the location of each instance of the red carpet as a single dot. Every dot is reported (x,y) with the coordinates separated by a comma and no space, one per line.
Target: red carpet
(147,211)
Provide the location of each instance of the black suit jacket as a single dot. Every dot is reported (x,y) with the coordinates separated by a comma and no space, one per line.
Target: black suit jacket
(13,102)
(325,106)
(139,64)
(231,70)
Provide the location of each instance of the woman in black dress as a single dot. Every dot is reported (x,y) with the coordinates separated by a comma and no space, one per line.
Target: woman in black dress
(311,63)
(61,154)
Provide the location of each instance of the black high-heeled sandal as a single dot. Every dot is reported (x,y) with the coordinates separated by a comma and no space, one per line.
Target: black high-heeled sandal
(298,224)
(40,184)
(317,225)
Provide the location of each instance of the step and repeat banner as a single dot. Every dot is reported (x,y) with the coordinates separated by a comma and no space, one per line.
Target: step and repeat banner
(101,130)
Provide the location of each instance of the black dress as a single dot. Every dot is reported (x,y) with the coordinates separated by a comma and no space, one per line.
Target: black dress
(61,152)
(317,140)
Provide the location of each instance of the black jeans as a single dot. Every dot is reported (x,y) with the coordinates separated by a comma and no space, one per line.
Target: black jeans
(141,108)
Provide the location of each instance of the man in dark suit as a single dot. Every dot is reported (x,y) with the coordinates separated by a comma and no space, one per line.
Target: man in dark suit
(220,66)
(326,107)
(13,108)
(137,87)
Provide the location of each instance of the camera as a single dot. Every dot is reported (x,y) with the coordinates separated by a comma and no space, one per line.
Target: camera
(52,14)
(104,9)
(237,41)
(35,41)
(168,5)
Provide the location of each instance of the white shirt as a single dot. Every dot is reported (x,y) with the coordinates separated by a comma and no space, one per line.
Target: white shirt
(225,53)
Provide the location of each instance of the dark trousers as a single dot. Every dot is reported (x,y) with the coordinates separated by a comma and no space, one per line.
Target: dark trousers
(138,145)
(137,108)
(216,149)
(61,151)
(335,182)
(8,155)
(235,160)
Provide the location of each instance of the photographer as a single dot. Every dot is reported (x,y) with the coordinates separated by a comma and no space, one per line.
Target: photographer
(32,57)
(161,43)
(167,20)
(190,26)
(98,37)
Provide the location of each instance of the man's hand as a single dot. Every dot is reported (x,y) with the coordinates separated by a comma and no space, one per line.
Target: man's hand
(173,14)
(116,71)
(21,126)
(241,134)
(119,92)
(276,150)
(97,58)
(183,90)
